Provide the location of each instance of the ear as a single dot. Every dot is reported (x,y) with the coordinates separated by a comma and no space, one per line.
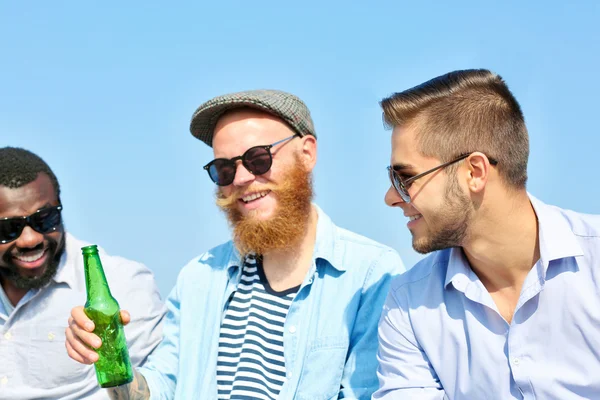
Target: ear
(479,169)
(308,151)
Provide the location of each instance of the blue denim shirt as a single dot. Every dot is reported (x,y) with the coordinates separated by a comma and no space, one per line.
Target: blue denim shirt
(330,339)
(442,337)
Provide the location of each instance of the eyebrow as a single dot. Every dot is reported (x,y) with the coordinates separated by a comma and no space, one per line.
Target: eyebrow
(47,205)
(401,167)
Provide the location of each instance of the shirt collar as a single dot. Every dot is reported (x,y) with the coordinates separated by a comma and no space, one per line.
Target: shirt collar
(235,263)
(6,308)
(458,270)
(555,234)
(70,261)
(326,245)
(556,241)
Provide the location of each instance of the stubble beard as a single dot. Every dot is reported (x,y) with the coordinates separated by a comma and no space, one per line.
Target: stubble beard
(451,225)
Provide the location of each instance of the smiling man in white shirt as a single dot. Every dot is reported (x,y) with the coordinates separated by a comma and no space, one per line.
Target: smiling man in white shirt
(506,305)
(41,279)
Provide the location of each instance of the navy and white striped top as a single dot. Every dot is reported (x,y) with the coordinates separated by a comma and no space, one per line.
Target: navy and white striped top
(250,364)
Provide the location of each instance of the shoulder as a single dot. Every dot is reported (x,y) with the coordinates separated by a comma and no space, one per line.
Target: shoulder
(111,264)
(128,279)
(426,278)
(581,224)
(214,261)
(349,251)
(353,240)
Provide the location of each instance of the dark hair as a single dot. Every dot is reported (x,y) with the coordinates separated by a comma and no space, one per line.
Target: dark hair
(462,112)
(18,167)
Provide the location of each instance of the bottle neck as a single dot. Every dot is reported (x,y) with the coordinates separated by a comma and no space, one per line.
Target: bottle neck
(95,280)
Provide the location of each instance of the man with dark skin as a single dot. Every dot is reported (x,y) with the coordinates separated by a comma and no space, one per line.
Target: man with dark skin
(41,279)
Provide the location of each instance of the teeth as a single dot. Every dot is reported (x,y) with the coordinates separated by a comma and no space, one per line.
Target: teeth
(31,257)
(254,196)
(415,217)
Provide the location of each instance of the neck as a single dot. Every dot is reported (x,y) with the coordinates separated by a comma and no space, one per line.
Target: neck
(287,268)
(13,293)
(506,245)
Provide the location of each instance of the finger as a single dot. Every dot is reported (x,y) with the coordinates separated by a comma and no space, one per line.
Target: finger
(125,317)
(87,338)
(79,351)
(81,319)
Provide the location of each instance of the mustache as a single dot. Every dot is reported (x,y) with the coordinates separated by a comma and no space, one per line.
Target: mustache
(229,201)
(23,251)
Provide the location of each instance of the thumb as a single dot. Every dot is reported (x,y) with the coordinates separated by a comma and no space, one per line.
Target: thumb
(125,317)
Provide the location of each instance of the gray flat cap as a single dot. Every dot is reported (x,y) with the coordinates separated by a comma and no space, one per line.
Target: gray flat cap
(280,104)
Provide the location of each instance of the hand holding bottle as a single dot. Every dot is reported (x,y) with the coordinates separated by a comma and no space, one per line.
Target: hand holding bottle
(80,336)
(99,324)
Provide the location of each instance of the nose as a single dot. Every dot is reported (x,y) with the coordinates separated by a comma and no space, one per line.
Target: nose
(242,175)
(392,198)
(29,238)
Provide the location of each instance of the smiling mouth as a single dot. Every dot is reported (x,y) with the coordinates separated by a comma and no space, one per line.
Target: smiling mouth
(415,217)
(31,257)
(255,196)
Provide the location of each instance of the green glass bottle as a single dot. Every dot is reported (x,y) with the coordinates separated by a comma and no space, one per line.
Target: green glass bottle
(113,367)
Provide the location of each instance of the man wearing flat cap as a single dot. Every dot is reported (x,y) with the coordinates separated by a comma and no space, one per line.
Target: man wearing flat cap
(288,309)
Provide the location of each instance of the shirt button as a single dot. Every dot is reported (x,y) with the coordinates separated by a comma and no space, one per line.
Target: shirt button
(516,361)
(4,380)
(292,329)
(7,336)
(289,374)
(51,336)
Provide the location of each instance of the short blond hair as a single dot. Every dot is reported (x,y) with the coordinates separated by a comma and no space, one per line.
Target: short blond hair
(462,112)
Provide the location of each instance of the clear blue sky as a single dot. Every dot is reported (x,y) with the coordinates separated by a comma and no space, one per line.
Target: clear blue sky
(104,93)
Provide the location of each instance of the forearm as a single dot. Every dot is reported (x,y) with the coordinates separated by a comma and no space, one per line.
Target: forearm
(136,390)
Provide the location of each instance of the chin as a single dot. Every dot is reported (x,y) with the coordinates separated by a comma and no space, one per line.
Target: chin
(260,215)
(422,245)
(263,212)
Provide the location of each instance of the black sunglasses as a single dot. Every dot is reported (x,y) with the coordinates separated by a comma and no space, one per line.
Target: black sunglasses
(44,220)
(257,160)
(402,185)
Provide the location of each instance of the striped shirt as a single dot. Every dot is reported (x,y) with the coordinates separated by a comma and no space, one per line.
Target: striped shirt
(250,364)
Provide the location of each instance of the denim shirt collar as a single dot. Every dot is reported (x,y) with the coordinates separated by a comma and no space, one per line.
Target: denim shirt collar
(556,240)
(325,245)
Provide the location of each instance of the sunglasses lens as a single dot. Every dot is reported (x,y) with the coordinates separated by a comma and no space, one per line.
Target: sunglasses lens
(45,220)
(258,160)
(222,172)
(399,186)
(11,229)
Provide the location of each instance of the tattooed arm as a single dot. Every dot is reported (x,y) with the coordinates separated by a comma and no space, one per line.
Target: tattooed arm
(136,390)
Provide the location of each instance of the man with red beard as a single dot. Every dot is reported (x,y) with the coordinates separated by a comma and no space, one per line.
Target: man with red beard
(42,278)
(506,306)
(289,308)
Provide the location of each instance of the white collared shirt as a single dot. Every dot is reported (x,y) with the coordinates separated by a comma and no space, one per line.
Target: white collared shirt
(33,360)
(441,335)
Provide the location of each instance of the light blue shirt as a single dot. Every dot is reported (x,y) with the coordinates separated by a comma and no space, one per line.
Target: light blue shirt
(330,333)
(441,336)
(33,360)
